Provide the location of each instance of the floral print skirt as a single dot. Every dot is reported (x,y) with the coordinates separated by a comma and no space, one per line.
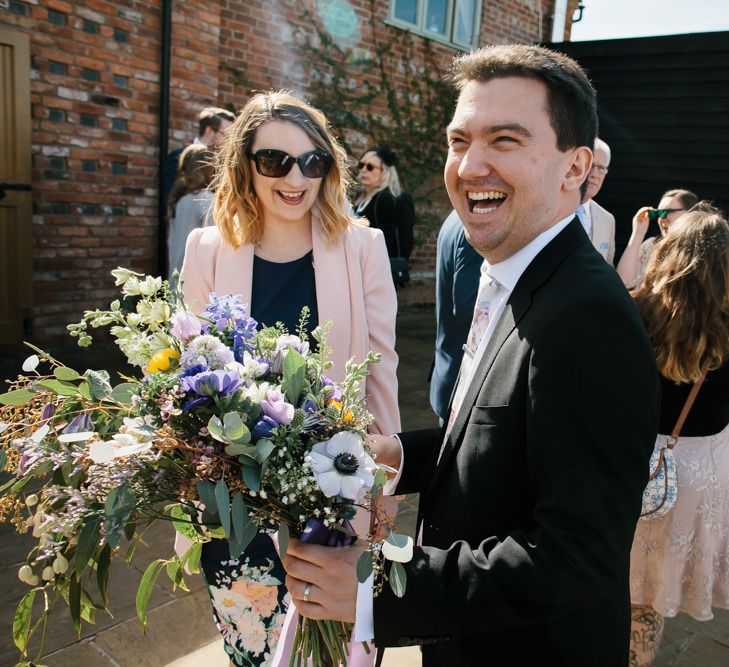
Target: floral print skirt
(680,561)
(247,595)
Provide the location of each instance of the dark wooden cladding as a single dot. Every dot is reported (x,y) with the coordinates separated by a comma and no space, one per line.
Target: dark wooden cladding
(664,110)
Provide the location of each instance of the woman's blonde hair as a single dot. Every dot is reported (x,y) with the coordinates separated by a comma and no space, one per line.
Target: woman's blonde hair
(195,172)
(390,177)
(237,211)
(684,300)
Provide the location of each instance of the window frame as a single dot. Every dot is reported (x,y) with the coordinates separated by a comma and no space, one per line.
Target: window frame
(420,29)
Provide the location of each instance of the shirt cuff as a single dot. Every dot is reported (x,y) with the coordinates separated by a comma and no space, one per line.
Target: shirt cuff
(391,484)
(364,622)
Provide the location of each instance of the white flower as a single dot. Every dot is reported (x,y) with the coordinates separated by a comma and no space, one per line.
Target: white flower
(121,444)
(257,392)
(122,275)
(342,467)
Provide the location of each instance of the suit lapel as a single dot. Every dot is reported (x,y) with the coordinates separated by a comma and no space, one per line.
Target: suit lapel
(540,269)
(333,303)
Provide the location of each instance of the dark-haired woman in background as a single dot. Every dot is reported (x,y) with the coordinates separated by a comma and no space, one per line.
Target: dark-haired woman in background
(382,201)
(680,561)
(633,262)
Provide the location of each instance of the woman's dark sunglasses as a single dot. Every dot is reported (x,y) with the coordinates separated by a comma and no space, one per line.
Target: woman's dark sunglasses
(275,164)
(367,165)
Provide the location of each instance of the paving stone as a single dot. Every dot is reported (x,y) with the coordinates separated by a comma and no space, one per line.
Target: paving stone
(170,634)
(703,652)
(81,654)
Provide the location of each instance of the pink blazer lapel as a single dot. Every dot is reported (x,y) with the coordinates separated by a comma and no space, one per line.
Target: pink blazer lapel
(235,275)
(332,293)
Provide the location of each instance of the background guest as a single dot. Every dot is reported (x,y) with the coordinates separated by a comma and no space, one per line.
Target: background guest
(212,124)
(189,203)
(633,262)
(457,272)
(598,222)
(382,201)
(680,561)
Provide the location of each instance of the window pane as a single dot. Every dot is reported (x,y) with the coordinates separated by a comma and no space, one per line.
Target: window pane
(465,22)
(435,16)
(406,10)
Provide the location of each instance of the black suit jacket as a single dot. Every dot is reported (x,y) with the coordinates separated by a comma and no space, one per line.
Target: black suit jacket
(395,217)
(529,517)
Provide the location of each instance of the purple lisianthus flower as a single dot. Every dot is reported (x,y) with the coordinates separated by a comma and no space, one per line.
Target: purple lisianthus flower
(212,383)
(342,467)
(79,424)
(263,428)
(185,325)
(277,408)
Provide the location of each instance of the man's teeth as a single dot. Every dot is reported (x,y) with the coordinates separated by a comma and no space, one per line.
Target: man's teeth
(478,196)
(291,195)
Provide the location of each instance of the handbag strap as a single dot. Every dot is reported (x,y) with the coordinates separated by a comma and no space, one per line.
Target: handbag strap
(687,408)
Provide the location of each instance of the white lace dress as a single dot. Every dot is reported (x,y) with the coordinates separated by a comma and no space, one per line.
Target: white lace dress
(680,562)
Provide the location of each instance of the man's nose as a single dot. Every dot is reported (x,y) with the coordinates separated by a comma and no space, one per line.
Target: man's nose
(475,163)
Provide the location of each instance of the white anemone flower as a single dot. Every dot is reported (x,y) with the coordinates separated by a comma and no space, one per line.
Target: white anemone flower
(121,444)
(342,467)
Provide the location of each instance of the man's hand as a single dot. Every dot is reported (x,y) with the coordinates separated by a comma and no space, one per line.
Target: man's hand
(322,580)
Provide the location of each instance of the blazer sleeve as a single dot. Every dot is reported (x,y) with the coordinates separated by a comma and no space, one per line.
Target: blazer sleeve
(589,432)
(380,303)
(197,272)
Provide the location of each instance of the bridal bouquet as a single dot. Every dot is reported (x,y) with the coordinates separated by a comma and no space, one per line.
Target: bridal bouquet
(229,430)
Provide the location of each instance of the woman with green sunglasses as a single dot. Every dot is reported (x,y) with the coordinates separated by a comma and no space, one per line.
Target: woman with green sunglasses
(673,204)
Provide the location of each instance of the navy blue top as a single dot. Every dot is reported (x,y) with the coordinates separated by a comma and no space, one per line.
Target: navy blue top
(281,290)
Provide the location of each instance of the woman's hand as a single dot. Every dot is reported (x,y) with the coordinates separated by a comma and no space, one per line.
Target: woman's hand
(386,449)
(641,221)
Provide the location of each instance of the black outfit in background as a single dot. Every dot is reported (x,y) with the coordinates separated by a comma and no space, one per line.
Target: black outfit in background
(529,516)
(709,415)
(394,216)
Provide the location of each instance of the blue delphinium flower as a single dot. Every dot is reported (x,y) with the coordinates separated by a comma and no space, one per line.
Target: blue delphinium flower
(229,311)
(212,383)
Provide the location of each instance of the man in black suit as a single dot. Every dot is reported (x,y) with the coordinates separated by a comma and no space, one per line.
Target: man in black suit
(531,492)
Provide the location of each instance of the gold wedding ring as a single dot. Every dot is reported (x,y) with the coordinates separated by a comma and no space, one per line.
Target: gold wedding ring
(307,591)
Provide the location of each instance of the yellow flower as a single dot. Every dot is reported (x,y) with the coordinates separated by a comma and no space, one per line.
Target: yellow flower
(348,417)
(163,361)
(334,403)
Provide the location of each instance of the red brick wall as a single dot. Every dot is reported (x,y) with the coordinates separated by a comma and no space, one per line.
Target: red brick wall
(95,115)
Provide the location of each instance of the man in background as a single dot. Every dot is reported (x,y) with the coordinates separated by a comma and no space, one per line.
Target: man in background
(598,223)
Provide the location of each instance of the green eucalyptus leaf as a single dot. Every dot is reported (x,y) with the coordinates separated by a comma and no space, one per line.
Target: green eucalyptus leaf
(294,373)
(283,539)
(99,383)
(222,499)
(364,566)
(123,393)
(397,540)
(235,429)
(21,621)
(85,390)
(264,449)
(239,514)
(65,374)
(102,572)
(74,602)
(380,479)
(146,588)
(252,476)
(398,579)
(58,387)
(236,449)
(88,540)
(3,459)
(17,397)
(215,426)
(238,543)
(206,493)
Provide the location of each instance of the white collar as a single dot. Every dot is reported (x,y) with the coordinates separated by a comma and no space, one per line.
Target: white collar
(508,271)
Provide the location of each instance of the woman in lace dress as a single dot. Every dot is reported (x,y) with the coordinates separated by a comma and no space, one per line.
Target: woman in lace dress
(680,562)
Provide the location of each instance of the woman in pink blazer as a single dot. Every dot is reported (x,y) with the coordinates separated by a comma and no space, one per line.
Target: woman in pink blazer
(283,239)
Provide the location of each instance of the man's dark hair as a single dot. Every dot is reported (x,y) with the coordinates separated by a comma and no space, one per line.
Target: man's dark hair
(571,103)
(210,117)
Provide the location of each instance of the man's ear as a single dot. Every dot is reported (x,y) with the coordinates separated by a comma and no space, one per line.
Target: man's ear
(578,168)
